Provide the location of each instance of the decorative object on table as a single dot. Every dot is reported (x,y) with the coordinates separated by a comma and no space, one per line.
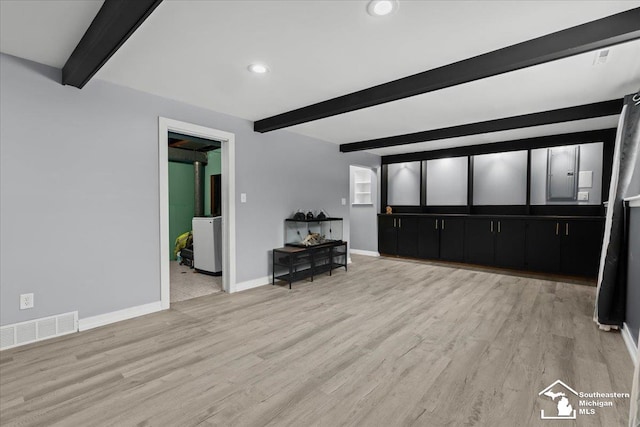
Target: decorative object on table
(389,210)
(321,215)
(299,216)
(313,239)
(309,215)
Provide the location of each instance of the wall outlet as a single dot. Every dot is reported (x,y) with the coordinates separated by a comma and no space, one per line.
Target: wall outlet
(344,201)
(243,197)
(583,196)
(26,301)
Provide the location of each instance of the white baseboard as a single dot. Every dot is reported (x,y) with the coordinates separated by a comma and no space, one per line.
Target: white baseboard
(630,343)
(363,252)
(250,284)
(117,316)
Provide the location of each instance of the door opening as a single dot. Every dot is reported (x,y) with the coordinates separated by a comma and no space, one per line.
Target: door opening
(167,129)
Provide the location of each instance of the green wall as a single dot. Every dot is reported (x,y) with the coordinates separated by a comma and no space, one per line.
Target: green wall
(181,204)
(213,167)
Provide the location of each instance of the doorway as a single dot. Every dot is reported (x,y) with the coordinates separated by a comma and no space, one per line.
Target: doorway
(227,188)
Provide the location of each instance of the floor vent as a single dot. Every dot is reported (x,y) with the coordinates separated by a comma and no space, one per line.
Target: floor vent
(38,330)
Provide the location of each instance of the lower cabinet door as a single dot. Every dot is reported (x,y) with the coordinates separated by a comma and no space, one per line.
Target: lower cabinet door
(408,236)
(510,243)
(387,235)
(479,240)
(429,238)
(581,246)
(452,239)
(542,248)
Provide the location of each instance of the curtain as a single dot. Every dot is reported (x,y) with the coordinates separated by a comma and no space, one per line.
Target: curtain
(611,291)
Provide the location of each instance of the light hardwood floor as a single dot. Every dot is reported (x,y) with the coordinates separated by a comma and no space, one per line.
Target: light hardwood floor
(388,343)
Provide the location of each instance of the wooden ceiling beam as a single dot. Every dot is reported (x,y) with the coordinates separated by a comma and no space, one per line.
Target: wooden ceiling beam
(562,115)
(608,31)
(113,25)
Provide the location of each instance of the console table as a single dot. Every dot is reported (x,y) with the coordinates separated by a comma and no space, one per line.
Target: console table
(308,261)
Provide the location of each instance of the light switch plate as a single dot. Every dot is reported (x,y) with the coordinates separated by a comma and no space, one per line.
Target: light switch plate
(583,196)
(243,197)
(344,201)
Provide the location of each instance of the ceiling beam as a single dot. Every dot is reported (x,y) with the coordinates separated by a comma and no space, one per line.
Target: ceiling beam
(113,25)
(581,112)
(614,29)
(187,156)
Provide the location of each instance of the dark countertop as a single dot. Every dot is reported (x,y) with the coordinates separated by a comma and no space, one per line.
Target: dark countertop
(485,216)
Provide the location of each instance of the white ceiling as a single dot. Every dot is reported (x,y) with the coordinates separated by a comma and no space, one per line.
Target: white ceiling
(198,51)
(44,31)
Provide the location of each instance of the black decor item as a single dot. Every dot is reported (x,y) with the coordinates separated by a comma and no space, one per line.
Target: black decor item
(309,215)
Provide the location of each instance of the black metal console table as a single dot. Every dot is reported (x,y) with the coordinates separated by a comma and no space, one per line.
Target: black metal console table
(309,261)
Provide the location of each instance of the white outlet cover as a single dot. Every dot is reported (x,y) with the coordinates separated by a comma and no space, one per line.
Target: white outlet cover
(344,201)
(26,301)
(583,196)
(243,197)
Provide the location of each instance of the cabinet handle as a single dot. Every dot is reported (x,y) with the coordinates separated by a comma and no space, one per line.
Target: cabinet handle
(492,226)
(436,224)
(557,228)
(498,226)
(400,222)
(443,224)
(566,229)
(394,223)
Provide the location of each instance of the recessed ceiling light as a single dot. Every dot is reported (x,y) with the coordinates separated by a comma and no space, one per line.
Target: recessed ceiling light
(258,68)
(382,7)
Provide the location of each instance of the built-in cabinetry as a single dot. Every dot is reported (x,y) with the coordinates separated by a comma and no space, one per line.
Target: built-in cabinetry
(495,241)
(565,245)
(441,238)
(397,235)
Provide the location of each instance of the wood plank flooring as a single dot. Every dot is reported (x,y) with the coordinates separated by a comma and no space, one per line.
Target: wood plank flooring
(388,343)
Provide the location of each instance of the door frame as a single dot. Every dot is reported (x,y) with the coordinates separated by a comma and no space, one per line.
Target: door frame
(227,140)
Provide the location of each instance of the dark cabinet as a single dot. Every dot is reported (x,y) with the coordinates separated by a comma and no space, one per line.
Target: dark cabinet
(441,238)
(398,235)
(551,245)
(581,243)
(543,246)
(407,236)
(493,241)
(429,238)
(479,241)
(452,239)
(387,235)
(564,246)
(510,243)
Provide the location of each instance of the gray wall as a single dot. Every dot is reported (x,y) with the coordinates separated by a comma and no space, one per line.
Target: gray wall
(363,218)
(633,278)
(500,179)
(590,160)
(79,191)
(403,184)
(446,181)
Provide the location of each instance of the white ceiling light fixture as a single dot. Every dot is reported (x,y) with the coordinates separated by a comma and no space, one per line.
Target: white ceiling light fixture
(382,7)
(258,68)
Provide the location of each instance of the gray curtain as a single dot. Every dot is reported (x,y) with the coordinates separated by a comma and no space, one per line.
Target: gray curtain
(611,292)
